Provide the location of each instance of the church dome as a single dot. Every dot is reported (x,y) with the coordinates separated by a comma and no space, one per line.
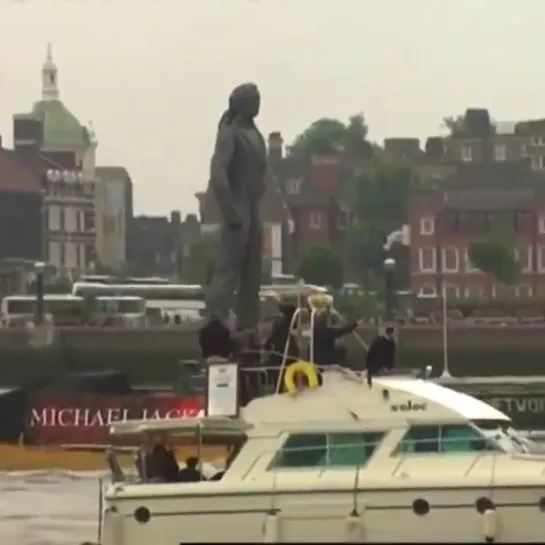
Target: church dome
(62,130)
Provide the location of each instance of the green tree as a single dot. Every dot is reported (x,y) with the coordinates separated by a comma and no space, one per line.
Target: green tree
(454,124)
(379,194)
(322,266)
(327,135)
(495,255)
(198,266)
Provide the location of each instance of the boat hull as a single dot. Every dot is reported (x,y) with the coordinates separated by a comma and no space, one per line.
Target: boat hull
(378,516)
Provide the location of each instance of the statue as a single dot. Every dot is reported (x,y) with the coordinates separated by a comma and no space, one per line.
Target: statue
(237,180)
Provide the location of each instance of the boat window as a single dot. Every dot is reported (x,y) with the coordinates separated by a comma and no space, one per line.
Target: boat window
(445,439)
(329,450)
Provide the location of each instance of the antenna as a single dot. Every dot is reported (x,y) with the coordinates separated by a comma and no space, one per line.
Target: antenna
(446,371)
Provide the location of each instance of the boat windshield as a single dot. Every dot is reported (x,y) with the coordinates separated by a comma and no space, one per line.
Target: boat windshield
(501,434)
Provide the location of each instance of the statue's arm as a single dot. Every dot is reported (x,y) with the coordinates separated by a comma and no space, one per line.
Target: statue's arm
(219,182)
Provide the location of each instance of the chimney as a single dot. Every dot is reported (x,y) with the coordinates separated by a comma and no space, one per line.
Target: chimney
(0,141)
(276,146)
(27,134)
(175,217)
(434,147)
(403,147)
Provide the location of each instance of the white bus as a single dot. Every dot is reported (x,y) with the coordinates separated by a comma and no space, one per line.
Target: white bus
(67,309)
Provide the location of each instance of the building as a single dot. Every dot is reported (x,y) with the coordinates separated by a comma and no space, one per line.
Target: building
(113,214)
(475,198)
(52,142)
(158,245)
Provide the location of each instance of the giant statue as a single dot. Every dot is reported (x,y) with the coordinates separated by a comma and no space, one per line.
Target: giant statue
(237,181)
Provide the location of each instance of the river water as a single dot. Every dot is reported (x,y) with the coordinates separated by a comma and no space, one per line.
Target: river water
(48,508)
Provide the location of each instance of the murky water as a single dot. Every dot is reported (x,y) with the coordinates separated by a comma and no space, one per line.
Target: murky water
(48,508)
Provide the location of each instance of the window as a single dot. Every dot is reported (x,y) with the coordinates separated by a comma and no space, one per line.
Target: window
(427,225)
(470,268)
(450,260)
(474,291)
(316,219)
(452,291)
(524,257)
(541,225)
(466,153)
(61,218)
(427,290)
(524,291)
(426,258)
(343,219)
(88,220)
(537,162)
(500,152)
(293,186)
(444,439)
(541,258)
(62,254)
(537,140)
(309,450)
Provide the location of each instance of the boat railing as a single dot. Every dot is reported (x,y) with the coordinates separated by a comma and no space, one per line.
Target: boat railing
(260,380)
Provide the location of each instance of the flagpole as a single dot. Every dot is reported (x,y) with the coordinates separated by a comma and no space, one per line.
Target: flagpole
(446,371)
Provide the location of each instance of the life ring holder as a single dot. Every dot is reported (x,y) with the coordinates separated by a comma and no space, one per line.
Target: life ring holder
(304,367)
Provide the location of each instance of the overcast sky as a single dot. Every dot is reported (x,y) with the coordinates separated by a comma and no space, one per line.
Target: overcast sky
(154,75)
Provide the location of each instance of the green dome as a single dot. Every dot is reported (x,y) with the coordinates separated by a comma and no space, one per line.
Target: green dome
(62,130)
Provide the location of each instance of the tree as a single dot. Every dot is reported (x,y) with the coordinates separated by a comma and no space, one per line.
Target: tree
(454,124)
(378,196)
(322,266)
(494,255)
(328,135)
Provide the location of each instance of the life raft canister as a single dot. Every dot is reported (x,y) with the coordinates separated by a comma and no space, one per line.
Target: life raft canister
(304,367)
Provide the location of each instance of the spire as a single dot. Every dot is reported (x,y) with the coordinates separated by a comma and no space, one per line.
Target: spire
(50,89)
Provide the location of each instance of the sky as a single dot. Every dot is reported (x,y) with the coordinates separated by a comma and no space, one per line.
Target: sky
(154,75)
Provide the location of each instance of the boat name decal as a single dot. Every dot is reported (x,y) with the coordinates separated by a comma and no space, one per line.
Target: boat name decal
(515,404)
(89,418)
(409,406)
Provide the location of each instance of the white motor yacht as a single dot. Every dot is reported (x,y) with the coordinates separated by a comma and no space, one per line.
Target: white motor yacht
(405,460)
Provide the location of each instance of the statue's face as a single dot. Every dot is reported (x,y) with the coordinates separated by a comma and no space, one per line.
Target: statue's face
(253,101)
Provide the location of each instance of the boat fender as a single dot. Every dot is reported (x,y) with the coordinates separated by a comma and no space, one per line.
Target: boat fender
(354,527)
(490,525)
(271,527)
(112,528)
(304,367)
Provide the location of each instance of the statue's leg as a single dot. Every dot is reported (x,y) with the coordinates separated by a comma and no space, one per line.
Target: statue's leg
(247,304)
(225,278)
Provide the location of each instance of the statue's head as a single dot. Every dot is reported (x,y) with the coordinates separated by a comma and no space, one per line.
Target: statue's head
(244,102)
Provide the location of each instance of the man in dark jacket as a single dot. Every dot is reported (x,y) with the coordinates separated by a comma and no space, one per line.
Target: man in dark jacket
(215,339)
(381,354)
(281,334)
(190,473)
(324,340)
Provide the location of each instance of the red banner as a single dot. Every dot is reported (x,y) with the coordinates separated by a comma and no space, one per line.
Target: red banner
(86,419)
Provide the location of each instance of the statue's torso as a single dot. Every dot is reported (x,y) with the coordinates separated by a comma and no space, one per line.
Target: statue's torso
(246,171)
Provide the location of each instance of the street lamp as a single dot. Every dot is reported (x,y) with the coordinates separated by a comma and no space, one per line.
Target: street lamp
(39,268)
(389,269)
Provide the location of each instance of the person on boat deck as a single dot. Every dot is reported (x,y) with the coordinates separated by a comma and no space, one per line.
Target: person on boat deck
(215,339)
(190,473)
(161,464)
(381,354)
(325,337)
